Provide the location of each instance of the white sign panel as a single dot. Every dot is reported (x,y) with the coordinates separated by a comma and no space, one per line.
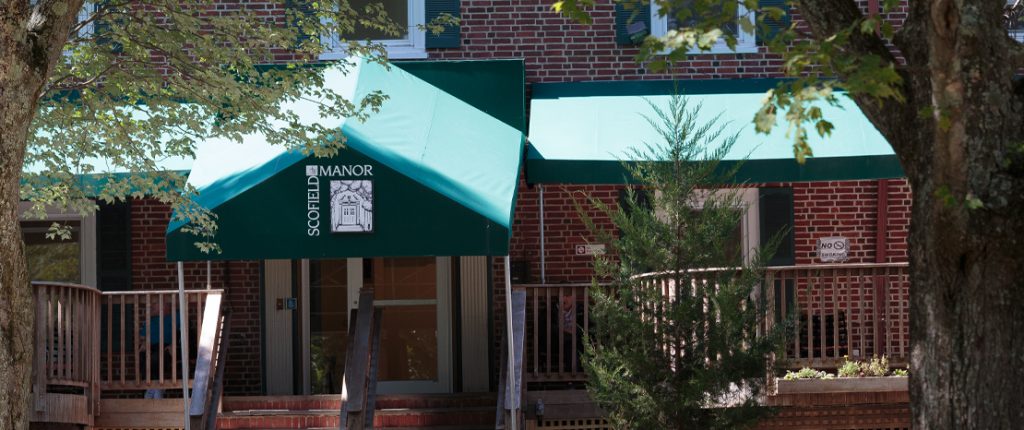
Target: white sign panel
(587,249)
(833,249)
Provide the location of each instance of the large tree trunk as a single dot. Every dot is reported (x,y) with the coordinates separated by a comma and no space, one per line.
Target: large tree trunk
(31,41)
(960,139)
(967,228)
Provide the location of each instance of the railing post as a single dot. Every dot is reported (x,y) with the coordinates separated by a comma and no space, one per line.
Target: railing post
(41,320)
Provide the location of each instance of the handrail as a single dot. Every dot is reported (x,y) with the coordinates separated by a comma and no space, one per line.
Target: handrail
(829,266)
(66,285)
(218,379)
(157,292)
(360,383)
(205,355)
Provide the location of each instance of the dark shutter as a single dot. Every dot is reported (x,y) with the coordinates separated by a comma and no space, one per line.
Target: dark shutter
(773,26)
(113,246)
(101,27)
(632,25)
(776,207)
(449,38)
(114,269)
(296,11)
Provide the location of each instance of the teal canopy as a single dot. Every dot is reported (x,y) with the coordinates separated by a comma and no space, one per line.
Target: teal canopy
(427,175)
(581,133)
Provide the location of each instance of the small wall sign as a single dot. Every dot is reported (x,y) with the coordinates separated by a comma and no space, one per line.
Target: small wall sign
(590,249)
(833,249)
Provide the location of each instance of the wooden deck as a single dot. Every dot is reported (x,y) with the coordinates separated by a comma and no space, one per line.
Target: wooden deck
(90,343)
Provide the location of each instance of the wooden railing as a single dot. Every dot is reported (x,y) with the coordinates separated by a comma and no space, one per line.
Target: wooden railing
(67,327)
(210,361)
(142,345)
(359,389)
(855,310)
(88,341)
(557,315)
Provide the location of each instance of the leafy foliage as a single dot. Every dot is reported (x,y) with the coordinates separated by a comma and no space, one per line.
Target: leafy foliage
(686,357)
(807,373)
(144,82)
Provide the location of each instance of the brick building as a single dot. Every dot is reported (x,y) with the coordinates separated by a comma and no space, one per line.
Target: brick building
(288,317)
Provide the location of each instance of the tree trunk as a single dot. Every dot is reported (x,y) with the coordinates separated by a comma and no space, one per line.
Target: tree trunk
(31,41)
(16,308)
(960,140)
(967,229)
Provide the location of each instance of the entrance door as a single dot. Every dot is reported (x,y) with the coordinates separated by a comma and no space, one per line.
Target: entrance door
(415,351)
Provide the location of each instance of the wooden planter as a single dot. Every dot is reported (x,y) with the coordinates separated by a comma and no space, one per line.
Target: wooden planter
(842,385)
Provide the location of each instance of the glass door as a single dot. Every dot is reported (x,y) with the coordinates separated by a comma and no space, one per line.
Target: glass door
(415,352)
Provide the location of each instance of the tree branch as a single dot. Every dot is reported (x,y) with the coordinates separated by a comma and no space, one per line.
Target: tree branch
(829,17)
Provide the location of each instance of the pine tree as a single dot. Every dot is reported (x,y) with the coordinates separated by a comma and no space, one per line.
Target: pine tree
(666,357)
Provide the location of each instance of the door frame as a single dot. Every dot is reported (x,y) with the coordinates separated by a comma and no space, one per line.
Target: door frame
(444,323)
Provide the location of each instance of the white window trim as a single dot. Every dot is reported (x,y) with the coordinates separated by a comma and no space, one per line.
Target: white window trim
(746,200)
(87,238)
(745,42)
(413,46)
(1015,33)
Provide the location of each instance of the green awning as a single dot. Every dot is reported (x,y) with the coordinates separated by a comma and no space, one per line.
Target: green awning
(580,133)
(427,175)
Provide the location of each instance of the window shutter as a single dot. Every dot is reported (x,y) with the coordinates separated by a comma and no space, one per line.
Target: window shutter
(296,11)
(101,28)
(772,27)
(450,37)
(776,207)
(113,246)
(632,25)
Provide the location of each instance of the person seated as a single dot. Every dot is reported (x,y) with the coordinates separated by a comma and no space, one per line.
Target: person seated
(155,346)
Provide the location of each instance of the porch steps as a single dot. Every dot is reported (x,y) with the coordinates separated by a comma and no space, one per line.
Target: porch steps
(395,412)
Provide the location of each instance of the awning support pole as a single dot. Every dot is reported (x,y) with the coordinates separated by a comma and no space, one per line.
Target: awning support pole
(183,322)
(209,284)
(511,345)
(543,254)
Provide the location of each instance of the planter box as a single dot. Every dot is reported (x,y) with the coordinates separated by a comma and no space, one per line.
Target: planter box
(841,385)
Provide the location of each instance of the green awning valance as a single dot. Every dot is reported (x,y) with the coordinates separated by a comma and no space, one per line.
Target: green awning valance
(427,175)
(580,133)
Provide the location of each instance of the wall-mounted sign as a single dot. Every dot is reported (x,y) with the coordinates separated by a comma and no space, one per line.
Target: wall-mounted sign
(833,249)
(590,249)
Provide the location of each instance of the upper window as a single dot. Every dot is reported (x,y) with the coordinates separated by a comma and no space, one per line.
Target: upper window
(745,41)
(409,44)
(1014,19)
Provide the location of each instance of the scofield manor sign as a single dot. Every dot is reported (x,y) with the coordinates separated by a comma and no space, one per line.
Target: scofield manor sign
(350,200)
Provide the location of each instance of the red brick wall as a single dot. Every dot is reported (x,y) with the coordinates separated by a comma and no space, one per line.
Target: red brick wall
(821,209)
(558,50)
(239,279)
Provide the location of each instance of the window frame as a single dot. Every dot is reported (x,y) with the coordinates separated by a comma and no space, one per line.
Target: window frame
(746,43)
(86,242)
(748,201)
(1015,33)
(413,46)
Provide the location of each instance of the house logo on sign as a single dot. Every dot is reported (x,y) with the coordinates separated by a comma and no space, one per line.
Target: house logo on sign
(351,206)
(833,249)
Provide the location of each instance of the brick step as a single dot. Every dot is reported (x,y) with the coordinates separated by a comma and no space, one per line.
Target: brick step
(463,418)
(333,401)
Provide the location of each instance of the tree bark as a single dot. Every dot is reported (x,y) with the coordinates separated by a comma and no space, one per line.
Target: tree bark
(31,42)
(959,138)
